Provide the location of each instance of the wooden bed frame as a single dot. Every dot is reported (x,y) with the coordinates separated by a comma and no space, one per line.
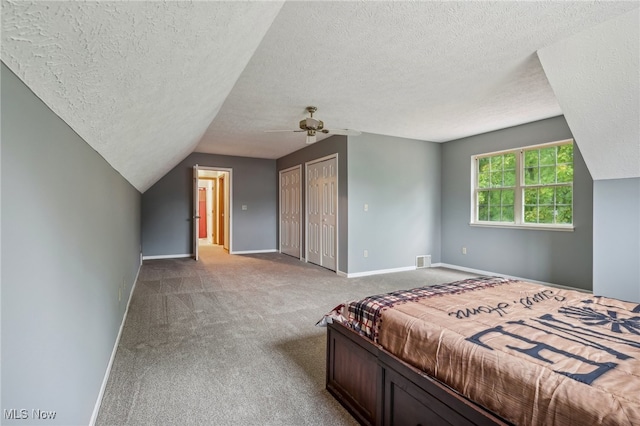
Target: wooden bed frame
(377,388)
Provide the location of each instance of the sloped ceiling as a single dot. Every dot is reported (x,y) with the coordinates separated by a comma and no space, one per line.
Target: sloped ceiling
(146,83)
(139,81)
(596,77)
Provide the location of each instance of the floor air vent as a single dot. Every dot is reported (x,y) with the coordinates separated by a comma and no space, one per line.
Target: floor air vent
(423,261)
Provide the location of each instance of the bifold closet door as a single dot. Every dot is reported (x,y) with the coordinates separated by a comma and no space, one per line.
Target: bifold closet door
(290,212)
(322,197)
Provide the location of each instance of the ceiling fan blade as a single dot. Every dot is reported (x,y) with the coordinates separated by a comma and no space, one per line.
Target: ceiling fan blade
(311,139)
(280,131)
(346,132)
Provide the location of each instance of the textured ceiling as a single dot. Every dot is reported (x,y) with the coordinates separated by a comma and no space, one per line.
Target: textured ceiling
(139,81)
(601,103)
(146,83)
(432,71)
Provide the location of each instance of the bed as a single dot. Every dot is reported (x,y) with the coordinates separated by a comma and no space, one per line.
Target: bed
(488,351)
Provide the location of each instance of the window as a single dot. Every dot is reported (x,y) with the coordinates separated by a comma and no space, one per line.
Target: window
(527,187)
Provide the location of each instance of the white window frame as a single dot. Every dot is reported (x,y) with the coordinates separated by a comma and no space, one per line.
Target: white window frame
(518,222)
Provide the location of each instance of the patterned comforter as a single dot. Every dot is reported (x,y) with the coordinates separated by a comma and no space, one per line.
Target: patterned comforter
(533,354)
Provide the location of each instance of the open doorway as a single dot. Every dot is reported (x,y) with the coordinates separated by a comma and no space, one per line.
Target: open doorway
(212,203)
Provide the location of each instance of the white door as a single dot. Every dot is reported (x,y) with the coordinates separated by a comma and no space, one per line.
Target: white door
(322,207)
(329,214)
(314,218)
(195,220)
(290,209)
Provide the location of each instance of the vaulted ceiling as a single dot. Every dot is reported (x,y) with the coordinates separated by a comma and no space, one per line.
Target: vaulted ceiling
(147,83)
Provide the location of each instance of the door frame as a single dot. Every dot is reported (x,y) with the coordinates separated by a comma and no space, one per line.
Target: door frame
(299,167)
(306,204)
(228,208)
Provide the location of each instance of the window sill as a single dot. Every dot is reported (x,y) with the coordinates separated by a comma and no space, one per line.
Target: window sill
(561,228)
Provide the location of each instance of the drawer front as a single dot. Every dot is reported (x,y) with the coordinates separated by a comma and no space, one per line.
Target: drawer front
(406,404)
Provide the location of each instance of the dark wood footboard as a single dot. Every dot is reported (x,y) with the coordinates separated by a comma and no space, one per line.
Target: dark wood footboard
(377,388)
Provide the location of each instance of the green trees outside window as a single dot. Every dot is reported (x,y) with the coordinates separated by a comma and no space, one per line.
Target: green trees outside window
(548,181)
(496,184)
(526,186)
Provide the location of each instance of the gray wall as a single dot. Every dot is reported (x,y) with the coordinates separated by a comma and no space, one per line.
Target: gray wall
(616,238)
(551,256)
(328,146)
(70,239)
(399,179)
(167,206)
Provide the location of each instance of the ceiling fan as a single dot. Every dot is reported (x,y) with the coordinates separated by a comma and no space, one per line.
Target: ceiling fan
(312,125)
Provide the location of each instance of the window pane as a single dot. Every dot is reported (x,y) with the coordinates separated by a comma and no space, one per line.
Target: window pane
(564,215)
(530,214)
(494,198)
(510,162)
(545,214)
(483,213)
(531,158)
(510,178)
(547,175)
(564,195)
(565,153)
(565,173)
(494,214)
(496,163)
(548,156)
(546,196)
(483,164)
(483,180)
(496,179)
(483,197)
(531,196)
(507,213)
(507,197)
(531,176)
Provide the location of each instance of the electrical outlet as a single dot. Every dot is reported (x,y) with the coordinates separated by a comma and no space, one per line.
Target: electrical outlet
(464,250)
(366,207)
(366,253)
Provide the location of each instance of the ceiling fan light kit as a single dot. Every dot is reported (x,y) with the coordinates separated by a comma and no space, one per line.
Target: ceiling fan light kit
(311,137)
(311,123)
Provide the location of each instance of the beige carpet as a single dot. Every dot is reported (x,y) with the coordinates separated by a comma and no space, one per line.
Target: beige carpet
(231,340)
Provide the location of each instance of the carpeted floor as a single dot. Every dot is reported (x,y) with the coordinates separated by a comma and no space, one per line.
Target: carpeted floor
(231,340)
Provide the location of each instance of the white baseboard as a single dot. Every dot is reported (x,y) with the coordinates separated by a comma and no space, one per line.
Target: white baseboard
(481,272)
(254,251)
(181,256)
(377,272)
(342,274)
(167,256)
(96,409)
